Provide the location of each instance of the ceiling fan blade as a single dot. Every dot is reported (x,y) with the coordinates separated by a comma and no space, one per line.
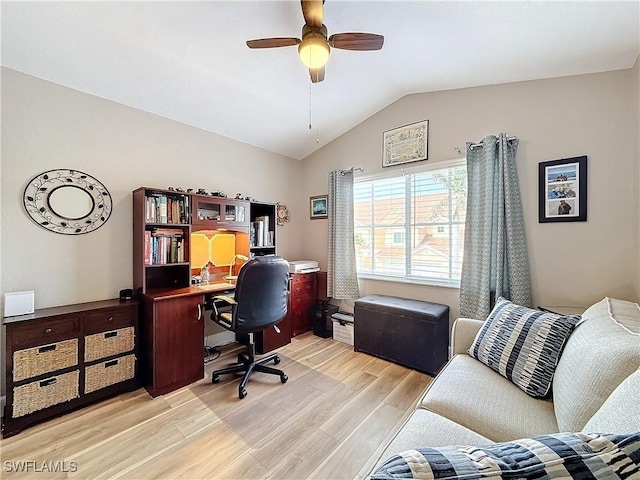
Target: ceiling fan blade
(273,42)
(356,41)
(317,74)
(312,12)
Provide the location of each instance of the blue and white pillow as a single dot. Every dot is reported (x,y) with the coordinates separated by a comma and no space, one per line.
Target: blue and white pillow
(545,457)
(523,345)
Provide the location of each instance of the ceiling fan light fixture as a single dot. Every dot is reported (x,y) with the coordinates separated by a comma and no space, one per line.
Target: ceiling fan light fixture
(314,51)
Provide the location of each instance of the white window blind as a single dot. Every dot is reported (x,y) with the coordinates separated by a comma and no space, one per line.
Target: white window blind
(411,227)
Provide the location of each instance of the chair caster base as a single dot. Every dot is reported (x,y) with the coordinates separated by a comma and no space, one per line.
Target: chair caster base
(215,379)
(284,378)
(242,392)
(276,360)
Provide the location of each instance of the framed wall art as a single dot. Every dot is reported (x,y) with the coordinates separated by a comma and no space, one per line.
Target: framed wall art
(406,144)
(563,190)
(319,207)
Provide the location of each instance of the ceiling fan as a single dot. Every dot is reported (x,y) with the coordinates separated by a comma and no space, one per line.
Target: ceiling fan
(314,47)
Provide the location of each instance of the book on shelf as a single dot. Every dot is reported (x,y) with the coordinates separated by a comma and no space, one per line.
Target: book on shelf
(166,232)
(259,229)
(147,247)
(163,209)
(174,249)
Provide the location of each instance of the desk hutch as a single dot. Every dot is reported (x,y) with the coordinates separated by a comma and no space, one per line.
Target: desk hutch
(172,320)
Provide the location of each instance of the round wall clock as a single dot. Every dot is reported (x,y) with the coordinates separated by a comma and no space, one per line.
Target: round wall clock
(282,213)
(67,201)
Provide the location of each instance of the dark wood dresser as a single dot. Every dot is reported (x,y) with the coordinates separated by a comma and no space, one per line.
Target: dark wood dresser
(303,297)
(62,358)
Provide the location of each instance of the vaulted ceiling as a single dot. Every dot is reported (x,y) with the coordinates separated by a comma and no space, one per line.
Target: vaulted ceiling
(188,61)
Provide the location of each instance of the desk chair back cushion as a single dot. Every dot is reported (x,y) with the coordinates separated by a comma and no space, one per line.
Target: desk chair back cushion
(261,293)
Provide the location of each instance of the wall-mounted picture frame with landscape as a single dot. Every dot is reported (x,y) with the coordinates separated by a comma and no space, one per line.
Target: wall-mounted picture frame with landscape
(406,144)
(563,190)
(318,205)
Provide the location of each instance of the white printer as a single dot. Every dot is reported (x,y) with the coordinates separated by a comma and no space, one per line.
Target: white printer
(303,266)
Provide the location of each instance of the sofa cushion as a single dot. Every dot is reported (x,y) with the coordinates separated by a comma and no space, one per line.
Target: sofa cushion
(603,350)
(523,345)
(424,428)
(620,413)
(471,394)
(562,455)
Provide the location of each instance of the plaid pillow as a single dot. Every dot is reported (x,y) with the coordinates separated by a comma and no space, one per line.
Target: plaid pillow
(548,457)
(523,345)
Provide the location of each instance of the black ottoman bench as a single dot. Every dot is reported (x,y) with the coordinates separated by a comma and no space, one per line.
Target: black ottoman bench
(412,333)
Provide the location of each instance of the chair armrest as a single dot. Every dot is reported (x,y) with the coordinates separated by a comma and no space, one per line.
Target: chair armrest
(224,298)
(464,333)
(221,298)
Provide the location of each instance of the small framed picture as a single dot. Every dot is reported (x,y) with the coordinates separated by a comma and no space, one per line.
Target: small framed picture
(563,190)
(319,207)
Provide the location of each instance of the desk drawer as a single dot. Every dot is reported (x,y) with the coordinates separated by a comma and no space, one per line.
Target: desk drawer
(43,332)
(39,395)
(306,288)
(107,344)
(35,361)
(108,320)
(300,278)
(108,373)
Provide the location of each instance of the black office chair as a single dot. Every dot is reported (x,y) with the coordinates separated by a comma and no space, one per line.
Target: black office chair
(260,302)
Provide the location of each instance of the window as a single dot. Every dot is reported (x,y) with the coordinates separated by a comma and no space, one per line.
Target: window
(411,227)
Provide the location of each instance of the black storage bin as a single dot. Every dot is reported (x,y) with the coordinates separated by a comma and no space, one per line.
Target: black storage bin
(322,322)
(413,333)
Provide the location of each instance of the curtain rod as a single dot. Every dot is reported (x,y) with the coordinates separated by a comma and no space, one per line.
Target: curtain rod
(352,169)
(479,144)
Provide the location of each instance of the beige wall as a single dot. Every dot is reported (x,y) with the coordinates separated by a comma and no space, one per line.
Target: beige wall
(47,126)
(595,115)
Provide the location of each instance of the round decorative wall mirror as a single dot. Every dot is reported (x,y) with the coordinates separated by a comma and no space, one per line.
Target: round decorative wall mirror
(67,201)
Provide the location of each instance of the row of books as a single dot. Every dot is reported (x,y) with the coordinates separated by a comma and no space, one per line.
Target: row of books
(162,246)
(259,234)
(161,208)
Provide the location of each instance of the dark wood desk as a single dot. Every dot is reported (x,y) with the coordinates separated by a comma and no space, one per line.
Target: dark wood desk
(172,336)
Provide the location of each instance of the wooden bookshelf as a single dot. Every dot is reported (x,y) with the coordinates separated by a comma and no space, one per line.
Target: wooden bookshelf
(264,213)
(161,234)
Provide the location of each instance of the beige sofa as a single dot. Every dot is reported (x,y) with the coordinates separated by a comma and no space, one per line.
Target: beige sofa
(596,388)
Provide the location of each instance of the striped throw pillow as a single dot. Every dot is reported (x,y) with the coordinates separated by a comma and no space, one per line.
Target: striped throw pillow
(564,456)
(523,345)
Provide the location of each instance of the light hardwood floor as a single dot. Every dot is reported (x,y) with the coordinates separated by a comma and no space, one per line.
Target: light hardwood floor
(329,421)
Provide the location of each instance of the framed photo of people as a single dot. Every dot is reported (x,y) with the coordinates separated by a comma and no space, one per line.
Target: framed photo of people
(563,190)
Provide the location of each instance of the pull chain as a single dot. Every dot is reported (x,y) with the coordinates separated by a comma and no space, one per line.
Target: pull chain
(310,103)
(317,123)
(311,111)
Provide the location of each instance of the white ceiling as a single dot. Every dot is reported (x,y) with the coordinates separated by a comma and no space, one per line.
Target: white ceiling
(188,61)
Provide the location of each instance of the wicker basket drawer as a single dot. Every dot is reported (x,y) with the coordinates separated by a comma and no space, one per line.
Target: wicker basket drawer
(107,344)
(31,362)
(108,373)
(39,395)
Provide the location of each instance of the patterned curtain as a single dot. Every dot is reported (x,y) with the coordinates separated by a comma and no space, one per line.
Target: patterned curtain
(496,262)
(342,280)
